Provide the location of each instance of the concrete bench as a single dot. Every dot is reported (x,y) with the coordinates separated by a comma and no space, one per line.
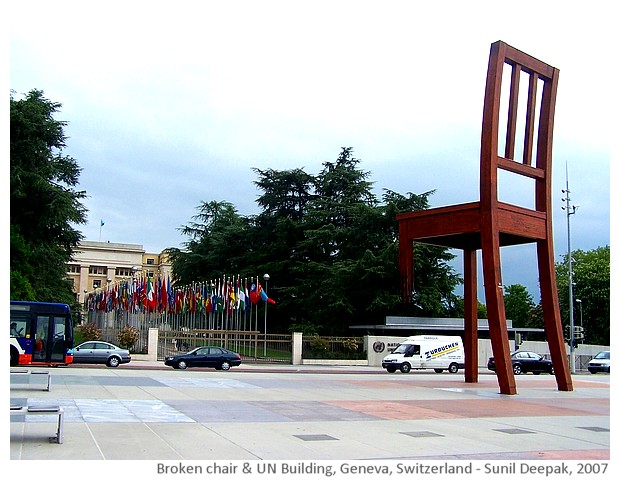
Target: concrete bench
(47,386)
(43,410)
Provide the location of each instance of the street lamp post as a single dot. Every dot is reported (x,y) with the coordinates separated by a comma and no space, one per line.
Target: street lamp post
(570,210)
(266,278)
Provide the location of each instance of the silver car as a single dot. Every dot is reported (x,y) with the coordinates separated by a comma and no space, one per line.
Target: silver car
(100,352)
(600,363)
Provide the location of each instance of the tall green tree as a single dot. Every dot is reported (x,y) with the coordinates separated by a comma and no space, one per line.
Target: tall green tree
(434,278)
(591,276)
(286,197)
(339,223)
(329,245)
(279,228)
(518,304)
(217,246)
(45,204)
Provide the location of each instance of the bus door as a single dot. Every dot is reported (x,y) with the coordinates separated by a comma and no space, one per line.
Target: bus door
(49,340)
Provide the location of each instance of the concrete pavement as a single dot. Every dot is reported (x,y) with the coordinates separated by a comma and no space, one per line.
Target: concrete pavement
(146,411)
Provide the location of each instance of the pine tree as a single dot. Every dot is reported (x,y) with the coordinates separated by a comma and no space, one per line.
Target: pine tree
(45,205)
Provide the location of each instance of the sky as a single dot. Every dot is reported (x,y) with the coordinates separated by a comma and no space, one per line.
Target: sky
(170,105)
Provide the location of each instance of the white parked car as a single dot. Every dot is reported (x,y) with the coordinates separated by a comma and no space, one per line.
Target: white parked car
(600,363)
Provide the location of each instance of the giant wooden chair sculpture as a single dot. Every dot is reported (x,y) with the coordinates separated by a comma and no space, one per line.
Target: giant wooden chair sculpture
(490,224)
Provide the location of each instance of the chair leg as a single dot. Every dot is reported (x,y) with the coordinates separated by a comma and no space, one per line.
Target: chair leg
(471,316)
(498,329)
(551,312)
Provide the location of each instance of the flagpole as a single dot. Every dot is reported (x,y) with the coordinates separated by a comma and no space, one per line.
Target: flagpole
(266,277)
(256,320)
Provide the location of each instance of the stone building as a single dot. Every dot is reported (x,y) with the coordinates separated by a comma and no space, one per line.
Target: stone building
(97,264)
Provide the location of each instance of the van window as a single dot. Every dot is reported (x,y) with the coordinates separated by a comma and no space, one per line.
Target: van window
(402,348)
(407,349)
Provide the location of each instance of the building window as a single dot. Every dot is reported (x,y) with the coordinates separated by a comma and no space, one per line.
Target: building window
(124,272)
(96,270)
(73,269)
(150,261)
(96,284)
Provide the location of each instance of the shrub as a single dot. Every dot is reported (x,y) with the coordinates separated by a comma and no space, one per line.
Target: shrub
(88,332)
(348,349)
(127,336)
(319,345)
(349,345)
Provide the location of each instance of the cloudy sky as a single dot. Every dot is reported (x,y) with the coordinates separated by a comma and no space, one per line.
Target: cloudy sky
(172,104)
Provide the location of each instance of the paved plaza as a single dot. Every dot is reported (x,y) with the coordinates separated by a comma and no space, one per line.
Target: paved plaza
(145,411)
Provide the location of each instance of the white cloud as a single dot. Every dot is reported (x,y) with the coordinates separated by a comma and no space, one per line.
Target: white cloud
(172,104)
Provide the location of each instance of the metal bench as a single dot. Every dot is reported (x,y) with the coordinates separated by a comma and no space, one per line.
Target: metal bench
(43,410)
(47,387)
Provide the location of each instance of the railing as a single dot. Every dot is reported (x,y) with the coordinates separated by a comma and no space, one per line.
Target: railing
(581,362)
(333,347)
(252,346)
(110,323)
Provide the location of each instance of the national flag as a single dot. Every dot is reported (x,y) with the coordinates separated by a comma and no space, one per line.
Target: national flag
(220,298)
(134,296)
(213,299)
(178,305)
(171,298)
(257,293)
(142,294)
(264,297)
(126,290)
(159,294)
(198,299)
(231,298)
(208,302)
(164,296)
(151,297)
(248,304)
(102,301)
(241,299)
(254,294)
(115,297)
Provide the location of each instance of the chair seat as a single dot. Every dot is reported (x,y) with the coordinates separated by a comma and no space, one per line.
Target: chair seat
(459,226)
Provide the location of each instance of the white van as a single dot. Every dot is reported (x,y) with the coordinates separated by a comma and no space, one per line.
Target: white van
(426,351)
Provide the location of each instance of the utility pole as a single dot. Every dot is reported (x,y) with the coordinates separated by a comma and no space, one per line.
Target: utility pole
(570,210)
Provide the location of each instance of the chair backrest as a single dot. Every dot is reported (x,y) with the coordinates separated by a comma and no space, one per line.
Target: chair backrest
(529,120)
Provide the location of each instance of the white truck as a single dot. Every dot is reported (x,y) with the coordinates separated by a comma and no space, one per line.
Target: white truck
(426,351)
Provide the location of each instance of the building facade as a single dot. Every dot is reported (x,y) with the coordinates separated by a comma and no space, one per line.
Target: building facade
(96,264)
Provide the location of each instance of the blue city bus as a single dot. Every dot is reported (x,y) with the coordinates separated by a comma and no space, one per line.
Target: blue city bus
(41,333)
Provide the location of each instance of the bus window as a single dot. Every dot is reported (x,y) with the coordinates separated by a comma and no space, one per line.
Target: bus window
(19,328)
(59,339)
(41,338)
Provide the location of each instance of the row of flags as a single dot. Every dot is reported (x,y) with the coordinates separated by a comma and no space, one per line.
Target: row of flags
(225,296)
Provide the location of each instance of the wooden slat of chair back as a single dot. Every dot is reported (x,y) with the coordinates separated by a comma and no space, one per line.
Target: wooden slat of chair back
(538,111)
